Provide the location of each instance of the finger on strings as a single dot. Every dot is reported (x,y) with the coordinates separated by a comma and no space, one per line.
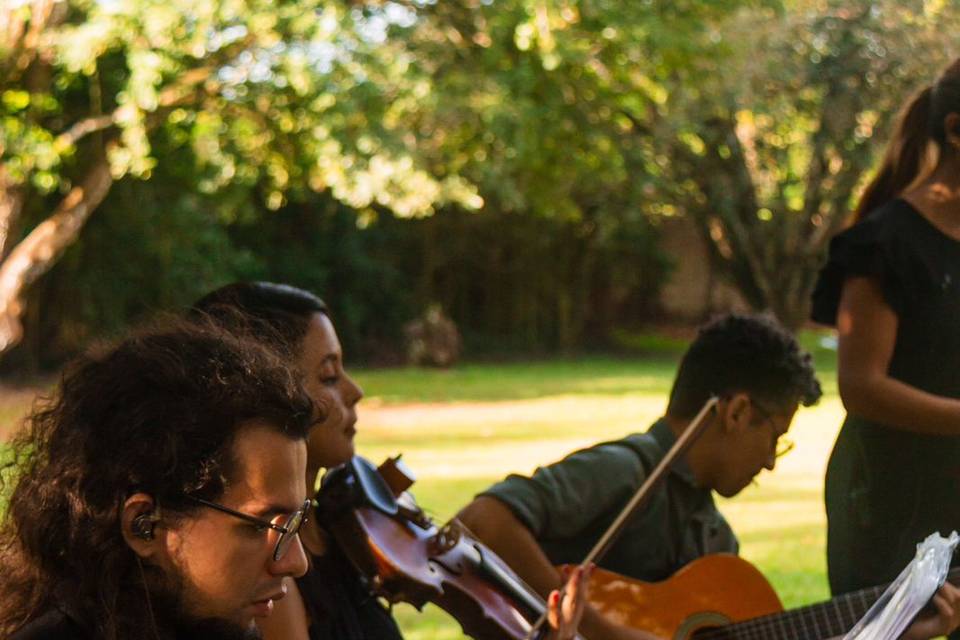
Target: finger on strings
(577,592)
(571,592)
(553,609)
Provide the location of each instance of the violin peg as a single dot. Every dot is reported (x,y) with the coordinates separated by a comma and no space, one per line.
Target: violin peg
(397,475)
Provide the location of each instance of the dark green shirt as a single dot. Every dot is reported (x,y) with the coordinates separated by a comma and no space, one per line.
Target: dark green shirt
(569,504)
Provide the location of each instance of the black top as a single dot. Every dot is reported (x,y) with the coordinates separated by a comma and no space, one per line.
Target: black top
(63,622)
(918,268)
(340,605)
(53,625)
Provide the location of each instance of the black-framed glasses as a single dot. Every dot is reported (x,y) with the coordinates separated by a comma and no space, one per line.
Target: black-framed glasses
(782,445)
(288,530)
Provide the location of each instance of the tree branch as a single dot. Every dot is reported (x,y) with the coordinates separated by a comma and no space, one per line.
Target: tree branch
(169,97)
(39,251)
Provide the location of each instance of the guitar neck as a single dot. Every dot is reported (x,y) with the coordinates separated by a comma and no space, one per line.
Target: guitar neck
(828,619)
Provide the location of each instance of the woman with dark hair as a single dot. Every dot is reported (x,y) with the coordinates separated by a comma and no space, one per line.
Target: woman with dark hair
(891,287)
(330,601)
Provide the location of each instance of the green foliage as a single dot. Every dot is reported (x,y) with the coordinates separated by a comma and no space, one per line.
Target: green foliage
(171,253)
(528,97)
(311,141)
(285,96)
(317,245)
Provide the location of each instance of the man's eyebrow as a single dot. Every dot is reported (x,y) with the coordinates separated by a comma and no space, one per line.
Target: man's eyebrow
(272,510)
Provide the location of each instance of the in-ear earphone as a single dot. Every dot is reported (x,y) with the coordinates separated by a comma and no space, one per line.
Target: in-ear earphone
(142,526)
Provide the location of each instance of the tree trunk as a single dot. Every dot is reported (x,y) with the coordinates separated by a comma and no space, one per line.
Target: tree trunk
(11,204)
(39,251)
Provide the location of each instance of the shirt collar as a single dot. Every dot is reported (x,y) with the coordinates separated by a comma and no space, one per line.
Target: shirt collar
(665,438)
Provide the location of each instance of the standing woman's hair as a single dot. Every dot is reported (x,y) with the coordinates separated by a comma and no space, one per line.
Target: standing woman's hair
(920,122)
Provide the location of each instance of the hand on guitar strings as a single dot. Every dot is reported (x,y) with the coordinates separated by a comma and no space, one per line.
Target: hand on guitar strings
(565,606)
(944,620)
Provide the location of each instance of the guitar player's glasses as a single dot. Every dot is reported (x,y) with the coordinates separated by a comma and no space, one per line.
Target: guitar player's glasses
(782,445)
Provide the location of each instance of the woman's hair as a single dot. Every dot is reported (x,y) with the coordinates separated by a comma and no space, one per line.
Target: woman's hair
(749,354)
(921,121)
(276,314)
(157,414)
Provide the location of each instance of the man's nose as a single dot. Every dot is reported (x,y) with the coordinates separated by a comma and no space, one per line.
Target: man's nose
(771,461)
(293,563)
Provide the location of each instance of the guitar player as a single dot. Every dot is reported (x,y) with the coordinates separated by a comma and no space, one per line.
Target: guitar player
(554,517)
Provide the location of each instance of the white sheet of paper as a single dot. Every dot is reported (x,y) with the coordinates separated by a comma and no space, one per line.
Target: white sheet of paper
(896,608)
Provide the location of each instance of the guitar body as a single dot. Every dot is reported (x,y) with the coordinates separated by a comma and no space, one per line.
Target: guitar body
(712,591)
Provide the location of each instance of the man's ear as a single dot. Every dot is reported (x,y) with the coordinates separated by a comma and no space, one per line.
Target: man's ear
(735,413)
(138,523)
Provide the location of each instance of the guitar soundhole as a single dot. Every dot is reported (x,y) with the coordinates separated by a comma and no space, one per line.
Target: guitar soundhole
(706,625)
(711,633)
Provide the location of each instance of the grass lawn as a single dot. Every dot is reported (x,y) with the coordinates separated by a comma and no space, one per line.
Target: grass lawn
(461,430)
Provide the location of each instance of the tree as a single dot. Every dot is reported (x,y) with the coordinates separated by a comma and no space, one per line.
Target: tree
(527,103)
(276,96)
(768,153)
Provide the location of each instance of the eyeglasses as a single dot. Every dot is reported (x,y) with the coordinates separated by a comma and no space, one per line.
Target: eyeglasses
(288,530)
(782,445)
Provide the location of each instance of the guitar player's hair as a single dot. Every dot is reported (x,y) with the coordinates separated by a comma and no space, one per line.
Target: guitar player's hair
(750,354)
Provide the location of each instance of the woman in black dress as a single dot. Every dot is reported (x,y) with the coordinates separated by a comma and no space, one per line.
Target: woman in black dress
(330,602)
(891,286)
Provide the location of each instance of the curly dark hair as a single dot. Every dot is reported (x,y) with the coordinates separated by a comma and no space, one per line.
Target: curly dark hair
(750,354)
(276,314)
(158,414)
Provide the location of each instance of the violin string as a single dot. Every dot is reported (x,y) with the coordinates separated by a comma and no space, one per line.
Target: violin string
(495,558)
(522,583)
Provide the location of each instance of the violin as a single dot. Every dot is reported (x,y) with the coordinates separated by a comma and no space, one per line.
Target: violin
(404,557)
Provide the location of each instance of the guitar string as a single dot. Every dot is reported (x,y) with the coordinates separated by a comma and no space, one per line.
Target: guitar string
(802,621)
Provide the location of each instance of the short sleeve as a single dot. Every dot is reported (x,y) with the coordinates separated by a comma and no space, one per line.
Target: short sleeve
(869,248)
(562,499)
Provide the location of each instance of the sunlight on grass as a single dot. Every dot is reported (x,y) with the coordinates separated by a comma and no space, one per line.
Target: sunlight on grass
(517,381)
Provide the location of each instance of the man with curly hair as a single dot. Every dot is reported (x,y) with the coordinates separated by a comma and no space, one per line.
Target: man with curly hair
(157,494)
(760,375)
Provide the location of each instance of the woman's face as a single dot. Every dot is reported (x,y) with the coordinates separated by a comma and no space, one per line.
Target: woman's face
(321,361)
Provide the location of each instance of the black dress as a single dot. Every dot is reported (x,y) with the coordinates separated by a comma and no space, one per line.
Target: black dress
(340,606)
(886,489)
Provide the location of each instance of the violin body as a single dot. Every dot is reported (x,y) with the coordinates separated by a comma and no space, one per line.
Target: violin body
(408,566)
(404,557)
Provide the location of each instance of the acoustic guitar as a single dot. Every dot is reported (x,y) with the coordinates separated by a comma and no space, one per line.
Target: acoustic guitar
(724,597)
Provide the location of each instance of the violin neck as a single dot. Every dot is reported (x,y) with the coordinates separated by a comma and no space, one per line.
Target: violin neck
(495,570)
